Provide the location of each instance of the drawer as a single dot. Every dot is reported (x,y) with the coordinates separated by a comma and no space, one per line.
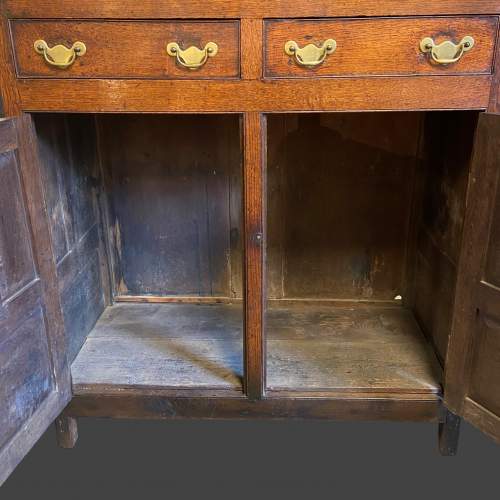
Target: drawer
(127,49)
(377,46)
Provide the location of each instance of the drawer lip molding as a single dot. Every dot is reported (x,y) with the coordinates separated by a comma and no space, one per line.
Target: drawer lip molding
(375,47)
(127,49)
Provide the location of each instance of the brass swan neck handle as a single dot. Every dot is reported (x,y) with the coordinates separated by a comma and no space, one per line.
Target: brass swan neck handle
(193,57)
(446,52)
(60,56)
(311,55)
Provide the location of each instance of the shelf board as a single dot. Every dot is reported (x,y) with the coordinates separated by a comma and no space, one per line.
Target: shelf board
(365,348)
(312,350)
(164,345)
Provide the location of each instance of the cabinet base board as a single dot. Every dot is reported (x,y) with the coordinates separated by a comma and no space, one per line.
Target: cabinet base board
(144,404)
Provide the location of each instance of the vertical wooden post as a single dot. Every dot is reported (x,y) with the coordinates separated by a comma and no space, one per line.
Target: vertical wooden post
(254,134)
(8,84)
(251,49)
(66,431)
(449,433)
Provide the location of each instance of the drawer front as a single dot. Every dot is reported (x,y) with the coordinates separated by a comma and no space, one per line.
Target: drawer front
(127,49)
(377,47)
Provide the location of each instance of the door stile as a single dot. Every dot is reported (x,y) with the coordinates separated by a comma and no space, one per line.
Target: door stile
(29,169)
(254,145)
(472,365)
(35,383)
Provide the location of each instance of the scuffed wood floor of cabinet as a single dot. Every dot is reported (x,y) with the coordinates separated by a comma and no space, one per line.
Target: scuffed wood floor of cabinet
(309,348)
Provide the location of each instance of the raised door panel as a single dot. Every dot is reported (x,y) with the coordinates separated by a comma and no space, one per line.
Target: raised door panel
(473,365)
(34,380)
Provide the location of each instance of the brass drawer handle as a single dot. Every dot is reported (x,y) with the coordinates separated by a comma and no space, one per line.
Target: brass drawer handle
(59,55)
(447,52)
(310,55)
(192,57)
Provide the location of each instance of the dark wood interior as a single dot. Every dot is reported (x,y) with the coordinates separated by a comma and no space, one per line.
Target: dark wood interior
(363,210)
(364,221)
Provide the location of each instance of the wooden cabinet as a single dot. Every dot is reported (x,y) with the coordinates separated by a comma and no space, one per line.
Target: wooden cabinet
(237,230)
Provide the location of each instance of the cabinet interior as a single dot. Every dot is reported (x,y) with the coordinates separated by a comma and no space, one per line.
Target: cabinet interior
(364,216)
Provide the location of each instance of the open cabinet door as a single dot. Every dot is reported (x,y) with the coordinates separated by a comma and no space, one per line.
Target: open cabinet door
(472,387)
(34,375)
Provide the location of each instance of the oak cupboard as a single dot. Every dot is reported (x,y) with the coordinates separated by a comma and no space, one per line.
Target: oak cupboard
(248,210)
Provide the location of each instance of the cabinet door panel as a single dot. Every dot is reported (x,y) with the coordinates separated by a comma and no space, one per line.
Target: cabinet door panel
(473,364)
(34,378)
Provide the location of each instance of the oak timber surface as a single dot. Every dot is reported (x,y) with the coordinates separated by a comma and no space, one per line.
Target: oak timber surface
(359,49)
(240,8)
(366,348)
(164,345)
(141,54)
(310,347)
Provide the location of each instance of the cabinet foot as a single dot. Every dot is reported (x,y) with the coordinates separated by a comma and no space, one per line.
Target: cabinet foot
(449,433)
(66,431)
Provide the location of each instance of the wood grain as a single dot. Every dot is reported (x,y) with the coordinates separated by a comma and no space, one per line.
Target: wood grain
(251,49)
(127,49)
(8,89)
(68,159)
(495,87)
(446,154)
(141,404)
(254,139)
(175,184)
(8,136)
(365,349)
(473,363)
(34,374)
(338,215)
(343,94)
(240,8)
(480,417)
(310,348)
(164,345)
(378,46)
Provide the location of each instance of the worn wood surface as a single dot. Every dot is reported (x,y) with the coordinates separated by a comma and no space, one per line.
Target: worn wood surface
(176,188)
(127,49)
(485,420)
(164,345)
(449,433)
(34,375)
(68,158)
(338,216)
(254,152)
(378,46)
(8,89)
(473,364)
(444,173)
(344,94)
(310,348)
(241,8)
(495,86)
(66,431)
(320,348)
(158,405)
